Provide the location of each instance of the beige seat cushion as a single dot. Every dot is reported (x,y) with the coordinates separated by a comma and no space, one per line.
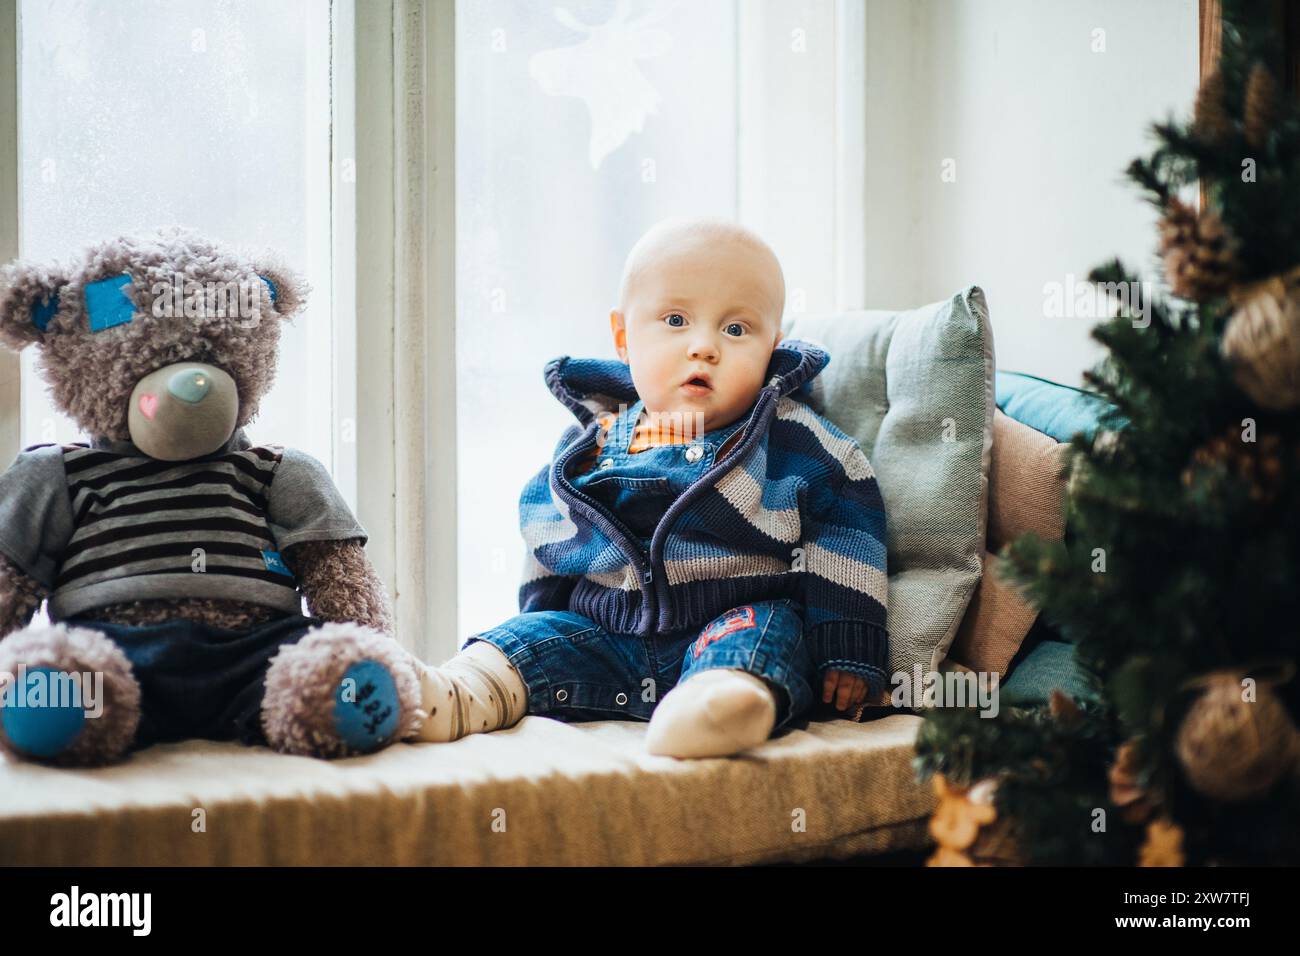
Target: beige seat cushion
(1026,494)
(540,793)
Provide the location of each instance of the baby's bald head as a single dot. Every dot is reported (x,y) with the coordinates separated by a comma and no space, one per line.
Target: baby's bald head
(731,244)
(698,317)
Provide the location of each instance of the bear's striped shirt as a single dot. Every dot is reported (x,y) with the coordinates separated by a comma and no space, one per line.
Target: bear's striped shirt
(129,527)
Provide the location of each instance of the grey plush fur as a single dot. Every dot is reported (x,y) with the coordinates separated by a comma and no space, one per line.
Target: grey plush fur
(91,376)
(310,671)
(78,650)
(340,583)
(20,597)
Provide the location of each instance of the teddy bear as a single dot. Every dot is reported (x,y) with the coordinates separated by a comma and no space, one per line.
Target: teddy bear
(173,554)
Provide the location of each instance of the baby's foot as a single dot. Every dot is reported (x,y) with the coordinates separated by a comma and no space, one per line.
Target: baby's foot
(715,713)
(476,691)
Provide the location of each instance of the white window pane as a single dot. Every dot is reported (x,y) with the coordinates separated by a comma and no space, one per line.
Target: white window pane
(137,114)
(575,132)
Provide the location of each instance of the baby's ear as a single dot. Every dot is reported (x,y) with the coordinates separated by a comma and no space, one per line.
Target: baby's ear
(287,289)
(619,328)
(29,300)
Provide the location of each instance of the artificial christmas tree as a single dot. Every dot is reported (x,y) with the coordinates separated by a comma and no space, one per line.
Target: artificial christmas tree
(1177,578)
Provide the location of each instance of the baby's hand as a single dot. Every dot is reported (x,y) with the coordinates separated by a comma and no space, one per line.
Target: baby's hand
(849,690)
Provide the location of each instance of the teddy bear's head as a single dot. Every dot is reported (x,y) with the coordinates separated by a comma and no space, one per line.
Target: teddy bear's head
(167,340)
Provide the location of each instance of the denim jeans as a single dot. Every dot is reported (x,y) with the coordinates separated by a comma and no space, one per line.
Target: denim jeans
(200,681)
(575,670)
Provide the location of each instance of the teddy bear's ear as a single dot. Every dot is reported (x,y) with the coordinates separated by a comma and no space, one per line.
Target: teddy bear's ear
(29,300)
(287,289)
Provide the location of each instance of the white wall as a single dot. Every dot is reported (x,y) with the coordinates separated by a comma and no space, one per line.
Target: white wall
(1041,129)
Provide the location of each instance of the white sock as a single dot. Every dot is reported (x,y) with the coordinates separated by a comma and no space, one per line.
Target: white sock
(476,691)
(715,713)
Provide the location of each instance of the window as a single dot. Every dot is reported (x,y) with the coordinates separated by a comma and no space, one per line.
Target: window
(577,128)
(144,113)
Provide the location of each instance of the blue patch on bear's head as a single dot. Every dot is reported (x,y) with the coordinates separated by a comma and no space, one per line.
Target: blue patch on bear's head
(107,303)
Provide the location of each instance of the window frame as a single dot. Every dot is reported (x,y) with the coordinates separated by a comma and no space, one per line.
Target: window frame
(393,292)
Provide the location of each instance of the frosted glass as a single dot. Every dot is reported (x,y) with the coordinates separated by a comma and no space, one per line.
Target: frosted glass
(575,131)
(137,114)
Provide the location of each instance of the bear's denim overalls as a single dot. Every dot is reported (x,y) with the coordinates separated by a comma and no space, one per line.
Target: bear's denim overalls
(576,670)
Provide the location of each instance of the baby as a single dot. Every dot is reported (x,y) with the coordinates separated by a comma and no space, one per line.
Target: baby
(704,551)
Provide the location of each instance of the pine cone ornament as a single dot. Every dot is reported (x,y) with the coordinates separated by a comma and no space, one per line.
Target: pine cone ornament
(1233,749)
(1261,105)
(1211,121)
(1198,252)
(1262,340)
(1137,802)
(1258,465)
(1164,844)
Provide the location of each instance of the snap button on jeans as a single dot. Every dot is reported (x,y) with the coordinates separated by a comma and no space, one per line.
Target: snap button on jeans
(561,694)
(694,453)
(607,463)
(621,699)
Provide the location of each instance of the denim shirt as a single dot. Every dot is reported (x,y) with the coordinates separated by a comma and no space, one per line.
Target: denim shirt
(639,487)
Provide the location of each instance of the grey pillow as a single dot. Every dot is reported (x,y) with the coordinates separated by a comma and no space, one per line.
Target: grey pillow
(916,390)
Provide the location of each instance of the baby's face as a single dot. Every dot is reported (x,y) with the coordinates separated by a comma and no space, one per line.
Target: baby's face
(710,310)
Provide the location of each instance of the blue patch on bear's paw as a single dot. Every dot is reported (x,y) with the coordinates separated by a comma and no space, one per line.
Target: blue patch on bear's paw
(38,718)
(366,706)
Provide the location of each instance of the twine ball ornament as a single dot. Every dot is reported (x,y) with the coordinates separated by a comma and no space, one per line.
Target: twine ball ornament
(1233,749)
(1262,341)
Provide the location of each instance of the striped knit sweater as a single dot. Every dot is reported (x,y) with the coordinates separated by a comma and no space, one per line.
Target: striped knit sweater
(793,511)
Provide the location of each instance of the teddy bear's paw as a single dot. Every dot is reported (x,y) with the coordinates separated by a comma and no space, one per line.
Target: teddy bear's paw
(69,696)
(343,689)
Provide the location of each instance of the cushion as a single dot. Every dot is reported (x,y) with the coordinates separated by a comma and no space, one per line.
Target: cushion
(1026,495)
(1050,665)
(915,389)
(1057,410)
(541,793)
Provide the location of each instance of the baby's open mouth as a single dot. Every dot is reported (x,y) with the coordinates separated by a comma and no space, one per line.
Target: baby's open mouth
(697,383)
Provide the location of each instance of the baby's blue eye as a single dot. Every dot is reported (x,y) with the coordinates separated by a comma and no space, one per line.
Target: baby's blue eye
(675,315)
(740,329)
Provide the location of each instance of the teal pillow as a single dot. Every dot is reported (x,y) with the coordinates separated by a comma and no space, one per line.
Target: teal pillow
(915,389)
(1054,409)
(1049,665)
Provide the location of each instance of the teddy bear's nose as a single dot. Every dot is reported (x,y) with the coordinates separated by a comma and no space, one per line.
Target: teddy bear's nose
(190,385)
